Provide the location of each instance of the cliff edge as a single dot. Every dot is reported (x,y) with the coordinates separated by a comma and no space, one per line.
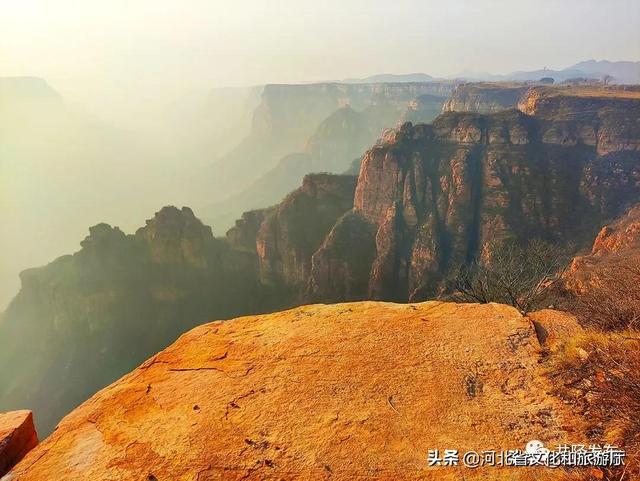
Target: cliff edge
(341,392)
(17,437)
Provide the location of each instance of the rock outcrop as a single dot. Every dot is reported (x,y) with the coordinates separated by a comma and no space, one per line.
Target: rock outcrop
(17,437)
(617,244)
(438,195)
(290,235)
(484,97)
(176,236)
(288,115)
(89,317)
(341,392)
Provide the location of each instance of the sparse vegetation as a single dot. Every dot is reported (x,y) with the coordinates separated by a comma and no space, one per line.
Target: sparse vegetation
(599,371)
(612,300)
(521,276)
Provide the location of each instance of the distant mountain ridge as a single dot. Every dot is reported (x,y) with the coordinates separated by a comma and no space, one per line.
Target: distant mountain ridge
(339,139)
(624,72)
(26,89)
(288,115)
(394,78)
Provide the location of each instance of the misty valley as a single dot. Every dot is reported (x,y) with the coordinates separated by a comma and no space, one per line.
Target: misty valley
(379,239)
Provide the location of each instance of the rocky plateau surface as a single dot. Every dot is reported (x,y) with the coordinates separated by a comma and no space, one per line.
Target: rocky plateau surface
(340,392)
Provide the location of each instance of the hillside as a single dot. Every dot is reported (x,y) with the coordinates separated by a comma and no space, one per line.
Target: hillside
(341,392)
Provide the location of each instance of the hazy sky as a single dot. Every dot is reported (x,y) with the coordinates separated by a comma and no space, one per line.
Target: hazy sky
(115,47)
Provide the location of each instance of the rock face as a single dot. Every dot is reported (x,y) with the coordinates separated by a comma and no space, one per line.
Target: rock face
(277,397)
(288,115)
(623,235)
(17,437)
(94,315)
(437,195)
(338,270)
(608,120)
(176,236)
(484,97)
(605,117)
(289,236)
(616,244)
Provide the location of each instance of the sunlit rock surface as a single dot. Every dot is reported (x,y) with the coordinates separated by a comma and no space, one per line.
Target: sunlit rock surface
(340,392)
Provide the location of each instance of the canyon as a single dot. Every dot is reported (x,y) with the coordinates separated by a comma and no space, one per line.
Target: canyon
(428,199)
(300,129)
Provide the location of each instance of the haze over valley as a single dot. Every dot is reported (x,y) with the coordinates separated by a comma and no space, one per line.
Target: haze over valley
(167,164)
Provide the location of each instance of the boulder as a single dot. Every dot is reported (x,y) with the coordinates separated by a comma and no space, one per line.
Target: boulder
(17,437)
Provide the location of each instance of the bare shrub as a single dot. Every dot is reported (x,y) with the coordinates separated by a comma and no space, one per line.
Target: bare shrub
(599,373)
(611,300)
(521,276)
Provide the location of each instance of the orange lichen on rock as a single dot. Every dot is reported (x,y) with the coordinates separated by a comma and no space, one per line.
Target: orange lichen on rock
(17,437)
(342,392)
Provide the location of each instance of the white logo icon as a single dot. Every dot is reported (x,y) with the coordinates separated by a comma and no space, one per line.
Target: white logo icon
(536,448)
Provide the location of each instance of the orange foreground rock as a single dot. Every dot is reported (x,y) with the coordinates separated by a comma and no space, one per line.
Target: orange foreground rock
(17,437)
(341,392)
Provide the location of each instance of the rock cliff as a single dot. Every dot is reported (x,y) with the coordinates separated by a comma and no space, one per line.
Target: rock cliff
(17,437)
(294,231)
(605,117)
(288,115)
(608,119)
(484,97)
(617,244)
(341,392)
(436,196)
(91,316)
